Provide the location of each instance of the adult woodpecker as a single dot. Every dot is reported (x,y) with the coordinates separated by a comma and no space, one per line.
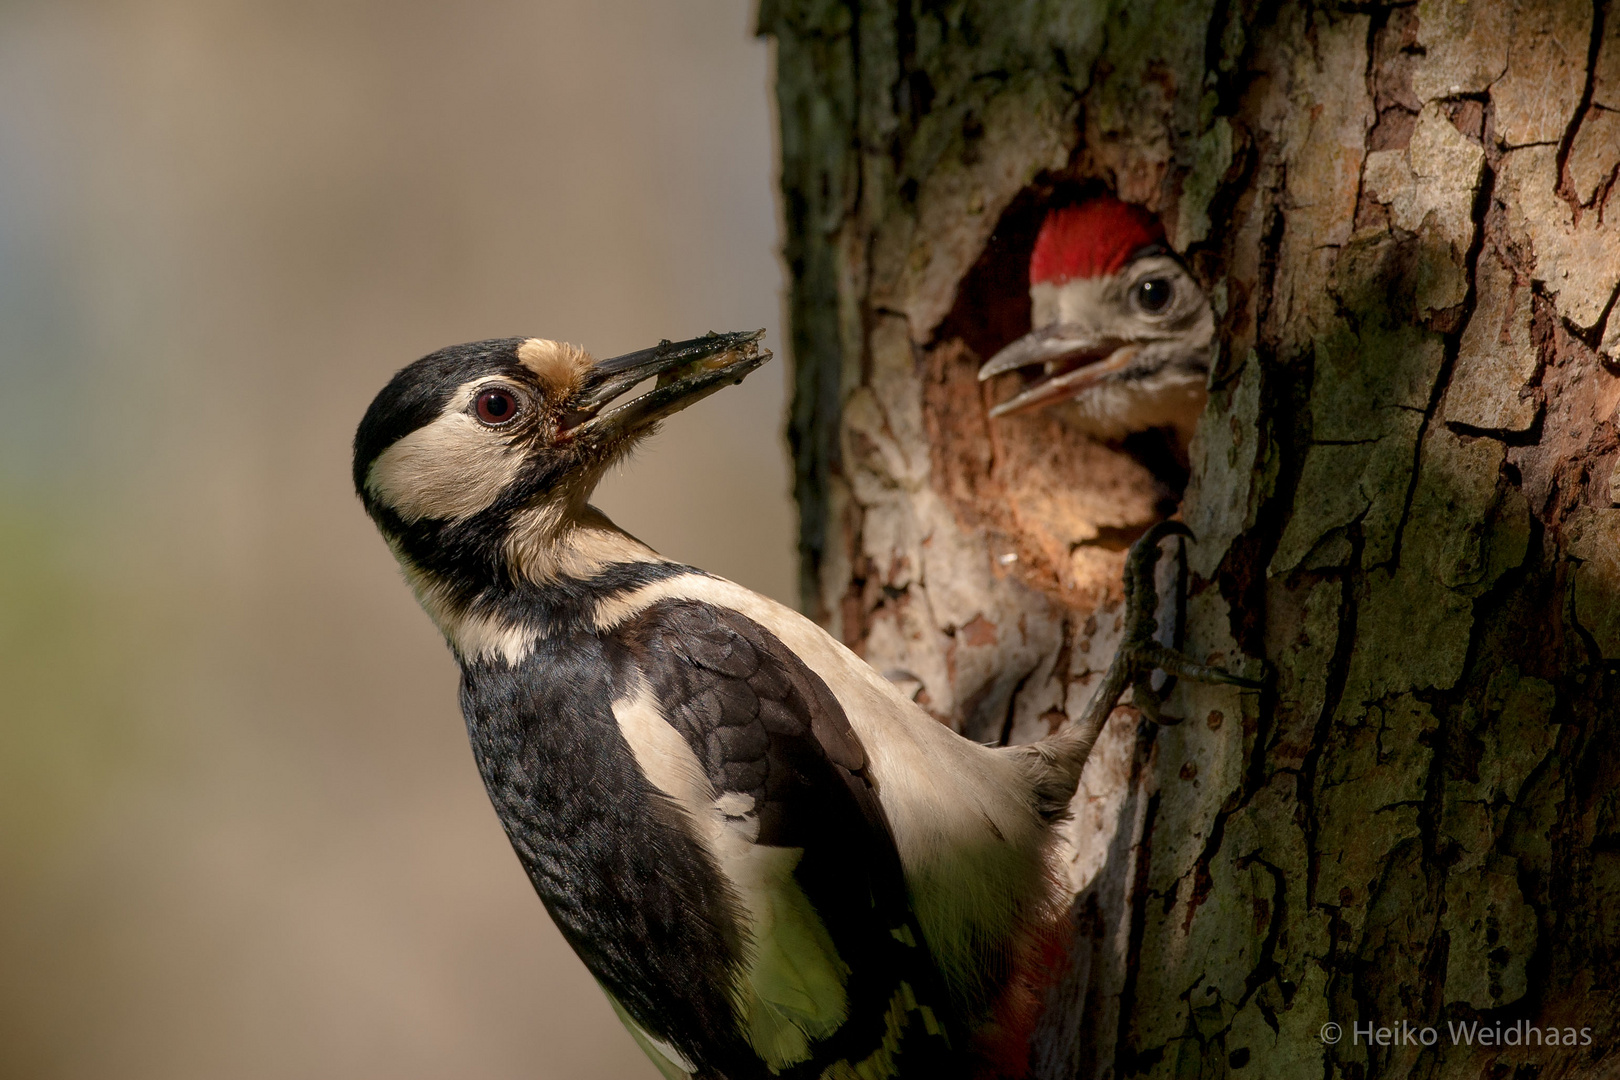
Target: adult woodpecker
(1119,328)
(774,863)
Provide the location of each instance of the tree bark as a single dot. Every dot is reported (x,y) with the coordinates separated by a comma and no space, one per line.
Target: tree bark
(1404,492)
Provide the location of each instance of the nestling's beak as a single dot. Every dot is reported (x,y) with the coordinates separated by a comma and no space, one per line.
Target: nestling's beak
(687,372)
(1075,360)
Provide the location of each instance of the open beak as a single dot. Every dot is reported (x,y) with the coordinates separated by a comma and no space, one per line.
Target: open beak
(1074,359)
(687,372)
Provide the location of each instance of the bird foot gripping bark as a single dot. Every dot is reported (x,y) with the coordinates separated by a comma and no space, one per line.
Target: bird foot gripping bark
(1140,654)
(1061,757)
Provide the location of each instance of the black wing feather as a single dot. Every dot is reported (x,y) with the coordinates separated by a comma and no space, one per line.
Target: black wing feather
(763,724)
(642,902)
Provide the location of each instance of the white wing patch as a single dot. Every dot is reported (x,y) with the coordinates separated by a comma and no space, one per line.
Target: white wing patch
(735,804)
(793,990)
(967,833)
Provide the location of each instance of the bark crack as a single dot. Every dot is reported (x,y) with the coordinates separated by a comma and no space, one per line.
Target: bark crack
(1453,341)
(1566,183)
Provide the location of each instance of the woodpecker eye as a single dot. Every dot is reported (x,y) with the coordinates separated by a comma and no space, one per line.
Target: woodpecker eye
(1153,295)
(496,406)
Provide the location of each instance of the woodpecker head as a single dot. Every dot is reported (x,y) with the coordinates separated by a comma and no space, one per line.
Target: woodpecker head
(476,462)
(1118,326)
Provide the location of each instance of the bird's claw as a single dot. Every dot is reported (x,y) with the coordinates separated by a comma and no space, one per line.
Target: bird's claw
(1140,654)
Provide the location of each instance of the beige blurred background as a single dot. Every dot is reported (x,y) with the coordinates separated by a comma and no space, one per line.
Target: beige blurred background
(240,830)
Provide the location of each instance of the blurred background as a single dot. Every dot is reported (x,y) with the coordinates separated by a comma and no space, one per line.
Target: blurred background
(241,834)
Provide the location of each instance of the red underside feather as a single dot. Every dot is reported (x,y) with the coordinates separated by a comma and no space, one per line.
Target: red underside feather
(1040,957)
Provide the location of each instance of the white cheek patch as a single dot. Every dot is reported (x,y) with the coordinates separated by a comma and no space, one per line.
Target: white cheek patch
(793,987)
(1043,304)
(451,468)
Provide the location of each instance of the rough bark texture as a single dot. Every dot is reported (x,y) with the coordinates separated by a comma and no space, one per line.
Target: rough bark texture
(1406,493)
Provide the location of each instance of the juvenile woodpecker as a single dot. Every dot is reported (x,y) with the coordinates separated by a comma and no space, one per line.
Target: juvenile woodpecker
(1120,330)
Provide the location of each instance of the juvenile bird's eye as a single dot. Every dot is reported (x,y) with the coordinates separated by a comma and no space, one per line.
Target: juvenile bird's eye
(497,406)
(1153,295)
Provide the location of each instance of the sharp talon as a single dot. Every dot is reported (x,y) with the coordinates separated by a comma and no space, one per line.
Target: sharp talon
(1166,528)
(1145,552)
(1145,700)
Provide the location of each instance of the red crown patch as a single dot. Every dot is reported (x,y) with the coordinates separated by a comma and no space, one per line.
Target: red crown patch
(1091,239)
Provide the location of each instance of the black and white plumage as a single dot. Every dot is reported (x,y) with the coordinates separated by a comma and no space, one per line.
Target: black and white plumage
(775,864)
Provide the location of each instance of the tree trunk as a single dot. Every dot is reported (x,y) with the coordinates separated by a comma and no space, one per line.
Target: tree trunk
(1404,493)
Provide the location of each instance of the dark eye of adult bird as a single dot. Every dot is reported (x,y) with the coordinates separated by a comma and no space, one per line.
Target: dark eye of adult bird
(497,406)
(1154,294)
(773,861)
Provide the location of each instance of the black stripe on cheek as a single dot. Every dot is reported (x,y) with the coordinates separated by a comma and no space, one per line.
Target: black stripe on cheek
(418,393)
(468,557)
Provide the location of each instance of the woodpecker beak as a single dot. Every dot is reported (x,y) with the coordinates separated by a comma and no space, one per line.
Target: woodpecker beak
(1075,360)
(687,372)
